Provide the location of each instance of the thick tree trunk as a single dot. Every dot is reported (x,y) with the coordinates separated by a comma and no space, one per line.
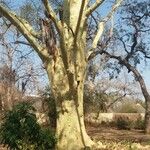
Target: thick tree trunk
(70,128)
(67,80)
(147,100)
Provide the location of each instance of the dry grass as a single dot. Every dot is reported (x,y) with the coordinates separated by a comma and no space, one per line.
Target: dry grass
(113,139)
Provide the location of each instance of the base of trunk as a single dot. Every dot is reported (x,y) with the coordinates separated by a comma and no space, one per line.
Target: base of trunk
(70,131)
(74,143)
(147,123)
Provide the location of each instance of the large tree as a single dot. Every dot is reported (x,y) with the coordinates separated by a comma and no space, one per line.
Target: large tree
(132,46)
(65,59)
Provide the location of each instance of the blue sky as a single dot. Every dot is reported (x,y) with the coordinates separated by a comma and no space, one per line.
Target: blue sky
(104,9)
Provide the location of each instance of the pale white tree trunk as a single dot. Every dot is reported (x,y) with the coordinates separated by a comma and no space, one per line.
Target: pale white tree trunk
(70,128)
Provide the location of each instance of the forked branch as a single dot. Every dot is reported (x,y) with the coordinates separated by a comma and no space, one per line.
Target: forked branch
(103,23)
(52,15)
(101,26)
(94,7)
(26,29)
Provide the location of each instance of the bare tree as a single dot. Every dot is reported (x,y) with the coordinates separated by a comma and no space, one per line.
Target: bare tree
(132,45)
(17,74)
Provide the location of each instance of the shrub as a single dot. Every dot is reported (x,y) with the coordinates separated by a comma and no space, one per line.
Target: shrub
(123,123)
(20,130)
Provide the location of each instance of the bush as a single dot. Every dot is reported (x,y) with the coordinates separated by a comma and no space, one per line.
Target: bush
(20,130)
(127,124)
(123,123)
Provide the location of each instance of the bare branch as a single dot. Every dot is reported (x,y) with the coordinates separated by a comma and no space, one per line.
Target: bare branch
(99,34)
(134,44)
(94,7)
(52,15)
(103,23)
(24,27)
(145,54)
(114,8)
(116,100)
(79,19)
(124,45)
(22,42)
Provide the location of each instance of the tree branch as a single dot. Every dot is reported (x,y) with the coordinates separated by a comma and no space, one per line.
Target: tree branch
(93,54)
(145,54)
(24,27)
(124,45)
(103,23)
(52,15)
(138,77)
(79,19)
(134,44)
(99,34)
(117,99)
(22,42)
(94,7)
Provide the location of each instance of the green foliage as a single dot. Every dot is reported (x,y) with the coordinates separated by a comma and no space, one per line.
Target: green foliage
(20,130)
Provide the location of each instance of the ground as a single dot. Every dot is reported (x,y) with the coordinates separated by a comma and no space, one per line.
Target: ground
(115,139)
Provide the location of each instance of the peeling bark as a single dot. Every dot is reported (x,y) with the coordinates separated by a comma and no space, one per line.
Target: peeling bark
(70,128)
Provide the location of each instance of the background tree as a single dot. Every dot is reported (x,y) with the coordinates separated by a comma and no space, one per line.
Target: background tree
(132,46)
(17,74)
(105,94)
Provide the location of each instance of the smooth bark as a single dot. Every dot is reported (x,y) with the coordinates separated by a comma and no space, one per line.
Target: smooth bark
(70,128)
